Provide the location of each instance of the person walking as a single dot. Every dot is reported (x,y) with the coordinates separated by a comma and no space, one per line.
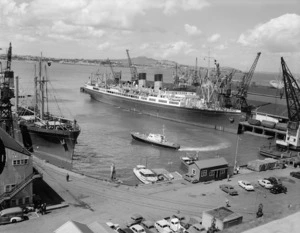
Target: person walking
(227,203)
(67,177)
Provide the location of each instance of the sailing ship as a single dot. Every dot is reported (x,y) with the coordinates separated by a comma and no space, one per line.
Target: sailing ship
(48,136)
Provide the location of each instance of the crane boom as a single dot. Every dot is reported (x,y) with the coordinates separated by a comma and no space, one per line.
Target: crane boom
(239,99)
(116,75)
(247,78)
(134,74)
(9,52)
(292,93)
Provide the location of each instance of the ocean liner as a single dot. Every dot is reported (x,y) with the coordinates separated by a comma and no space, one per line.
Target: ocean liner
(49,137)
(186,107)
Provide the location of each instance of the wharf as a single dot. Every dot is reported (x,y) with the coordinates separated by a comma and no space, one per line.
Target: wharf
(245,127)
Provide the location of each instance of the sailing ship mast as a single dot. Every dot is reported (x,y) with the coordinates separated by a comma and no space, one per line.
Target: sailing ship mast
(40,83)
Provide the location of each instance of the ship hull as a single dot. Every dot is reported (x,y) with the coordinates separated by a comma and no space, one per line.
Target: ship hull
(141,138)
(219,120)
(54,146)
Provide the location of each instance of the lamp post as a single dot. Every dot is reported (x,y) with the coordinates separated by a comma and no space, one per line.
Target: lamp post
(236,153)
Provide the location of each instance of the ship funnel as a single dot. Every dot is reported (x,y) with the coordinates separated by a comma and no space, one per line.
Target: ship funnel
(142,80)
(158,78)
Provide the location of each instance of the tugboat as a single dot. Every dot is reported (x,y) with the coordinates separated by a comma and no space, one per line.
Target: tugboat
(155,139)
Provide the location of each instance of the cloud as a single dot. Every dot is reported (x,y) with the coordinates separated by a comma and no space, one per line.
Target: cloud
(221,47)
(214,38)
(104,46)
(278,35)
(192,30)
(175,48)
(173,6)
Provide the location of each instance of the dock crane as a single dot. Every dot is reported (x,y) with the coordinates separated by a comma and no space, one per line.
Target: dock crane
(117,75)
(240,97)
(134,74)
(292,93)
(6,93)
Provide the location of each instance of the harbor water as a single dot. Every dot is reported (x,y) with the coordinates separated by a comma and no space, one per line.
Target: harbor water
(105,130)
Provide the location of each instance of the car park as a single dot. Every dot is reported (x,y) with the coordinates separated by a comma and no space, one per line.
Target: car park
(265,183)
(162,226)
(295,174)
(190,178)
(278,188)
(246,185)
(137,229)
(227,188)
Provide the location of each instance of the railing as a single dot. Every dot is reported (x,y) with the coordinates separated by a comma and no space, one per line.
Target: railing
(19,187)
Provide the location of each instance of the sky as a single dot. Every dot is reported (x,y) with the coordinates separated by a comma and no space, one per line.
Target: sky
(229,31)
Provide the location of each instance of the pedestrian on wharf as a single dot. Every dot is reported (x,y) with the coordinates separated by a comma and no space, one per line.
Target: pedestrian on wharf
(67,177)
(227,203)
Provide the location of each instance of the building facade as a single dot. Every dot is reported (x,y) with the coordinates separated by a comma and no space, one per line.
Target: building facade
(209,169)
(221,218)
(16,173)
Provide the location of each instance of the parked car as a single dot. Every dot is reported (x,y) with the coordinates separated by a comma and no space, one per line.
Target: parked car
(190,178)
(265,183)
(227,188)
(124,230)
(134,219)
(246,185)
(196,228)
(175,224)
(162,226)
(11,215)
(278,188)
(148,226)
(137,229)
(295,174)
(297,163)
(274,180)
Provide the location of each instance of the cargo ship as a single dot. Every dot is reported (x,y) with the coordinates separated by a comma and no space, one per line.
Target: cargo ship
(49,137)
(178,106)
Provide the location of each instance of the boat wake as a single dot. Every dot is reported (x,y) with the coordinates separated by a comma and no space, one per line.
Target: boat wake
(206,148)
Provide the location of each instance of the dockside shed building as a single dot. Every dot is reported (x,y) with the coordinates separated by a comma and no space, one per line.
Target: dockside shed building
(222,217)
(209,169)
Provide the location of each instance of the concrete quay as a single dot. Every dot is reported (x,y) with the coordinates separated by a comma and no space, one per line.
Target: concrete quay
(90,200)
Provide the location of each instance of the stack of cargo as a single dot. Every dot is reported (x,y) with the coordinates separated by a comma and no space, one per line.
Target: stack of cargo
(262,165)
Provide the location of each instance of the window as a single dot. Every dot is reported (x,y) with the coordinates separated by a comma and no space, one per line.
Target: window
(20,201)
(27,200)
(222,171)
(13,203)
(163,101)
(151,99)
(211,173)
(203,173)
(173,102)
(17,162)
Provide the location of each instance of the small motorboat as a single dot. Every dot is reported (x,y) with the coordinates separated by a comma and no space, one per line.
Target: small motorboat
(155,139)
(145,175)
(276,84)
